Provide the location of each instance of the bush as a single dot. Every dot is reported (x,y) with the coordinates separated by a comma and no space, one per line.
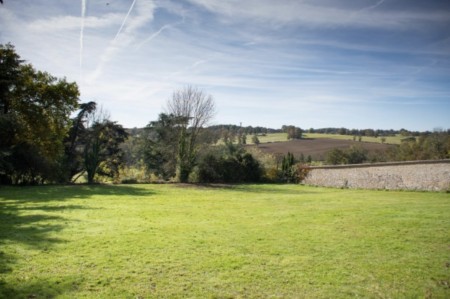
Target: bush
(227,164)
(352,155)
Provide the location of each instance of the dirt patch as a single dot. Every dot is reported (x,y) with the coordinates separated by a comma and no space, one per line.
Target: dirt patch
(317,148)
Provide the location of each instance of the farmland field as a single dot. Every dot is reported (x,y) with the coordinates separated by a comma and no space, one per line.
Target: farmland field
(281,137)
(244,241)
(317,148)
(389,139)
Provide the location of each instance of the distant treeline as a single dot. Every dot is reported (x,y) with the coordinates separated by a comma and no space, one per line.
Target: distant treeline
(369,132)
(258,130)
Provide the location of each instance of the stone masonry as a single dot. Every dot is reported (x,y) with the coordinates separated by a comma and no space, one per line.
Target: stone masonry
(417,175)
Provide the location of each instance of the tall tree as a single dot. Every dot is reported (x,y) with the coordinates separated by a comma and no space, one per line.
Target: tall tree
(102,153)
(75,140)
(193,109)
(10,64)
(35,113)
(160,142)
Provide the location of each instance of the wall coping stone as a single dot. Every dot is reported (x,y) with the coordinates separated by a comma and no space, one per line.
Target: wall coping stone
(381,164)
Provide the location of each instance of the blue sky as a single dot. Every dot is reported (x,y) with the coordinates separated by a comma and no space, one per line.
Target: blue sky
(378,64)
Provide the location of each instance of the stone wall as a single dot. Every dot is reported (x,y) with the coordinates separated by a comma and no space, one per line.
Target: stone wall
(417,175)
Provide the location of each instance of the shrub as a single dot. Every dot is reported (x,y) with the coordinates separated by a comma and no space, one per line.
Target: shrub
(227,164)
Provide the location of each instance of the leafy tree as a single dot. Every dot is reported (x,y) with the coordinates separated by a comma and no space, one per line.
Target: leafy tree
(356,155)
(228,164)
(35,110)
(428,146)
(192,109)
(302,158)
(102,153)
(10,64)
(287,168)
(76,139)
(160,145)
(293,132)
(255,140)
(352,155)
(336,156)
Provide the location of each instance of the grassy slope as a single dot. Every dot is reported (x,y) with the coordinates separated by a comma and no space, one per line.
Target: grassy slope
(253,241)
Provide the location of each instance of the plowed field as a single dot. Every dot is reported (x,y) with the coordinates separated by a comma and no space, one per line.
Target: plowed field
(317,148)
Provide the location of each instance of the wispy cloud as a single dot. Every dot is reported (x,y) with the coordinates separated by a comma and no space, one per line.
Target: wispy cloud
(67,22)
(155,34)
(276,62)
(375,5)
(125,35)
(315,14)
(83,15)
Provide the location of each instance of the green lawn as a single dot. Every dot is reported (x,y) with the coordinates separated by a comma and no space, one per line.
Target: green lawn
(249,241)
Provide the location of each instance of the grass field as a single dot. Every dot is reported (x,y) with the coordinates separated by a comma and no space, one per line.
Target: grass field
(271,137)
(249,241)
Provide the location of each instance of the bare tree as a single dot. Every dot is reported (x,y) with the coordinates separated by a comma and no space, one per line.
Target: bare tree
(193,109)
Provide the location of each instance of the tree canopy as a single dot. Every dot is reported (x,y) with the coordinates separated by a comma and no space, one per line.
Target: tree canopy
(35,109)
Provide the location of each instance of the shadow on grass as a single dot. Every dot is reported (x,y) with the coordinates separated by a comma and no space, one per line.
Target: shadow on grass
(27,218)
(37,194)
(282,189)
(38,288)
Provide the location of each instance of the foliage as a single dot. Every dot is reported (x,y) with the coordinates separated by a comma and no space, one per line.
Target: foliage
(160,146)
(75,140)
(102,153)
(133,175)
(292,170)
(228,164)
(255,139)
(34,118)
(233,130)
(352,155)
(245,241)
(430,146)
(192,109)
(293,132)
(288,171)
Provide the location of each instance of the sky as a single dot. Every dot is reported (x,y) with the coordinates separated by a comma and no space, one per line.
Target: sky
(381,64)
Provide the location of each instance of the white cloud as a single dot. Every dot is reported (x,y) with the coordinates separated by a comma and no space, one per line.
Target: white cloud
(64,23)
(314,15)
(143,14)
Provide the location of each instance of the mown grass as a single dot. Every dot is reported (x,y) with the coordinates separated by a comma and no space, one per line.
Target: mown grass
(249,241)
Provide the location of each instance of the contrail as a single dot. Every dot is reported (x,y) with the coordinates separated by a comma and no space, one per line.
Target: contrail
(376,5)
(157,33)
(124,20)
(83,15)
